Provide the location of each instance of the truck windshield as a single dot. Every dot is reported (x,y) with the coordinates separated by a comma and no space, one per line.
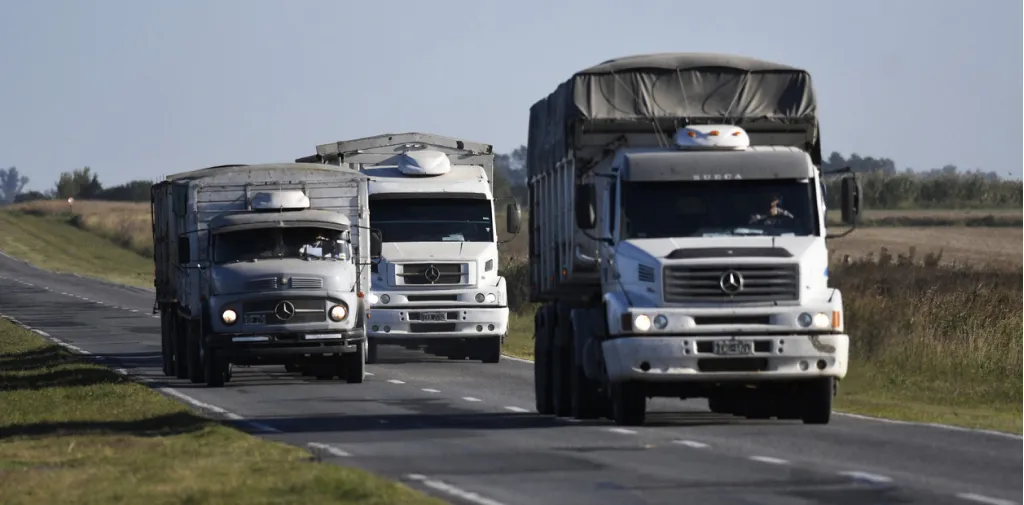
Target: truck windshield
(264,244)
(432,219)
(718,208)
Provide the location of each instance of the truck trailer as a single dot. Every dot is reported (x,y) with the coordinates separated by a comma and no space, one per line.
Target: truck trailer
(677,241)
(437,283)
(261,264)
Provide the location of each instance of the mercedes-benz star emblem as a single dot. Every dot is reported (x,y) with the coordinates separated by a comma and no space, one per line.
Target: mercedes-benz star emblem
(731,282)
(284,310)
(432,274)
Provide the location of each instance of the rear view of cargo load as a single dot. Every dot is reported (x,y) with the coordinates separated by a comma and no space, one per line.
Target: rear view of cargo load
(261,264)
(677,241)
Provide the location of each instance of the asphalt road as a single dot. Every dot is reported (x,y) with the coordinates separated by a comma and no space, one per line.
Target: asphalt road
(466,431)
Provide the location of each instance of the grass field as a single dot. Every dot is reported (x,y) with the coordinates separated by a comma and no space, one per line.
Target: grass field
(933,340)
(72,432)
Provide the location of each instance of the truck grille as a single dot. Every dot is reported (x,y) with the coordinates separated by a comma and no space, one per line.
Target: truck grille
(264,284)
(304,310)
(432,273)
(746,283)
(307,283)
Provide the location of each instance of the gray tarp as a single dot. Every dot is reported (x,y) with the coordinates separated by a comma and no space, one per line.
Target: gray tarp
(678,87)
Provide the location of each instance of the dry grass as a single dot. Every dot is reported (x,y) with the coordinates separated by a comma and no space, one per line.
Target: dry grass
(993,248)
(72,432)
(127,224)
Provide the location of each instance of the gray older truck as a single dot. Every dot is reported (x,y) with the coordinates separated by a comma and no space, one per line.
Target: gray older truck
(677,241)
(262,264)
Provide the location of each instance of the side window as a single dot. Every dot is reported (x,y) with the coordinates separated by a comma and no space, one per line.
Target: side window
(184,254)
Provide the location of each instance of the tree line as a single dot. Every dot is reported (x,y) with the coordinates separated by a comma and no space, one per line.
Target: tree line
(885,187)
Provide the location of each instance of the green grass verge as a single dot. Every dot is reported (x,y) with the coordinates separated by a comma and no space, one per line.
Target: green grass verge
(50,242)
(72,432)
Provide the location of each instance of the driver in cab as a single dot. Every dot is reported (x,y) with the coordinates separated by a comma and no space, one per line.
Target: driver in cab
(774,210)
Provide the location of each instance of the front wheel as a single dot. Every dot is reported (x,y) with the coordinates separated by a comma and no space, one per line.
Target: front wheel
(353,364)
(817,400)
(489,349)
(371,353)
(629,404)
(215,369)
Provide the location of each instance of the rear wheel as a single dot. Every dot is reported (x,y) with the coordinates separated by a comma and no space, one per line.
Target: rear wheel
(371,353)
(180,346)
(194,351)
(561,373)
(166,343)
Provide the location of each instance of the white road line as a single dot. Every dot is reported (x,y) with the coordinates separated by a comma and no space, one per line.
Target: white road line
(514,358)
(770,460)
(985,499)
(691,443)
(430,390)
(516,409)
(867,477)
(396,381)
(622,431)
(368,373)
(471,399)
(931,425)
(317,447)
(444,487)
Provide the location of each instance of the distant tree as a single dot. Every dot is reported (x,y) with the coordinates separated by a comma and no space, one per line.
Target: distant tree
(80,183)
(132,191)
(30,196)
(11,184)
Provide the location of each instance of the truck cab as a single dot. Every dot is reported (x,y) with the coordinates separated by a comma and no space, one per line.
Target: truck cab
(436,283)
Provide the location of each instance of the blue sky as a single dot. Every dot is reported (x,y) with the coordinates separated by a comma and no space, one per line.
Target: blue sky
(139,89)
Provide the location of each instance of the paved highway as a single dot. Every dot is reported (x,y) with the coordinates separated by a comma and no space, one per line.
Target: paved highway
(466,431)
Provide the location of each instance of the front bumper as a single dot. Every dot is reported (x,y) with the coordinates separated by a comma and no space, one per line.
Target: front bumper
(692,358)
(462,322)
(265,345)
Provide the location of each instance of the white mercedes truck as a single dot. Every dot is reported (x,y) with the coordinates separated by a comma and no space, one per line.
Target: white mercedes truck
(436,283)
(677,241)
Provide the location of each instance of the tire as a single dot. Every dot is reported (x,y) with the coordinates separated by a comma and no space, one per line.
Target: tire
(166,343)
(353,365)
(561,376)
(180,346)
(542,360)
(371,353)
(719,403)
(817,400)
(629,404)
(215,369)
(291,368)
(196,370)
(586,399)
(490,349)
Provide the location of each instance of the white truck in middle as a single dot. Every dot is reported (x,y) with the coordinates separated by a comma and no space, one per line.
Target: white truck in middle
(432,207)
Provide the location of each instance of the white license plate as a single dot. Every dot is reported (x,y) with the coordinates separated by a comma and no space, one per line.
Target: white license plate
(733,347)
(434,316)
(256,319)
(322,336)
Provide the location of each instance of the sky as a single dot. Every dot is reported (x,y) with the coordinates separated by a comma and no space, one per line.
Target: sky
(141,89)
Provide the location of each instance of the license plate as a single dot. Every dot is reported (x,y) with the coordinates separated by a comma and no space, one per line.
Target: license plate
(256,319)
(434,316)
(733,347)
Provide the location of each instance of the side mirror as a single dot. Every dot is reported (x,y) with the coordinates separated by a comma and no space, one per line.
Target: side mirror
(376,243)
(586,214)
(513,219)
(852,199)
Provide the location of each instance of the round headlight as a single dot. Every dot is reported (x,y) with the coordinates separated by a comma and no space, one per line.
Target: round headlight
(491,298)
(660,322)
(372,298)
(804,320)
(479,298)
(821,320)
(642,322)
(338,312)
(385,299)
(229,316)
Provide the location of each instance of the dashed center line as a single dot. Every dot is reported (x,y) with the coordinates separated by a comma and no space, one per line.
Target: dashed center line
(984,499)
(471,399)
(867,477)
(516,409)
(444,487)
(431,390)
(622,431)
(691,443)
(770,460)
(396,381)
